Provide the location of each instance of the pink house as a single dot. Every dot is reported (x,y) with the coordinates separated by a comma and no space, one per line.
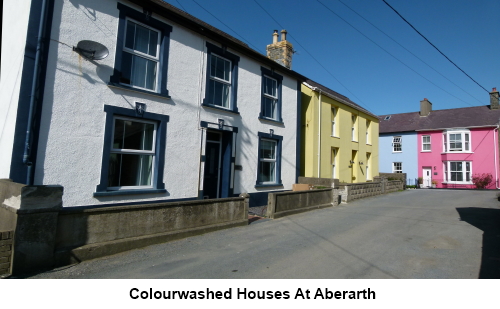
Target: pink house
(457,145)
(454,146)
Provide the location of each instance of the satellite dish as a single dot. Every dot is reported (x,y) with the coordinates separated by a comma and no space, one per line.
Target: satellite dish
(91,50)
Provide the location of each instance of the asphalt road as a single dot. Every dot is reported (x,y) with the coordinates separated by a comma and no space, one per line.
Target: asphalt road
(410,234)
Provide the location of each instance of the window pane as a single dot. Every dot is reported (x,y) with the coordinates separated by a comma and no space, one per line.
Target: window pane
(143,72)
(129,39)
(269,108)
(133,135)
(130,170)
(219,93)
(267,149)
(138,71)
(220,68)
(270,86)
(267,172)
(118,135)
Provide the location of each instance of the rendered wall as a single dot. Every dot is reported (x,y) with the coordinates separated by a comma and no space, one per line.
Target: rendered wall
(72,126)
(15,17)
(483,145)
(408,156)
(342,141)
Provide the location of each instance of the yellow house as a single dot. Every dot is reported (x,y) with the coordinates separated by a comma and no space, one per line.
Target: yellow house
(339,138)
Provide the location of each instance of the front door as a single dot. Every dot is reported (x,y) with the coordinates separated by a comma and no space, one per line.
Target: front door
(427,176)
(211,179)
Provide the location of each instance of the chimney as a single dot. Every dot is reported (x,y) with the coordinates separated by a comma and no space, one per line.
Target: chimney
(494,99)
(281,51)
(425,108)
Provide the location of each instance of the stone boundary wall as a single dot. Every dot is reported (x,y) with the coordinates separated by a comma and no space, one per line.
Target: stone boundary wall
(48,235)
(84,234)
(394,185)
(292,202)
(322,182)
(6,246)
(354,191)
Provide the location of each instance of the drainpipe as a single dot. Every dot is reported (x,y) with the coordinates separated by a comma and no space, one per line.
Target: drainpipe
(27,144)
(319,132)
(495,145)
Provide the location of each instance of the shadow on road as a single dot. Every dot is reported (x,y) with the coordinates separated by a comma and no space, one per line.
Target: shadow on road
(487,220)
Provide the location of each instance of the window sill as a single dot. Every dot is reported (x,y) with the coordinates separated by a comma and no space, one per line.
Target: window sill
(425,151)
(457,183)
(334,136)
(457,152)
(368,144)
(123,87)
(267,185)
(355,141)
(271,120)
(222,109)
(397,152)
(129,192)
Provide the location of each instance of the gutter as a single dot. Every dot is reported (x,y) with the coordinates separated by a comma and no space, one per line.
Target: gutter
(495,145)
(31,111)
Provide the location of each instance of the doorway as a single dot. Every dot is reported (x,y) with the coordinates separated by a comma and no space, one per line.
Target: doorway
(212,174)
(427,176)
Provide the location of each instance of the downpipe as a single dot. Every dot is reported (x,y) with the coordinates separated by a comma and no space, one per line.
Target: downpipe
(27,144)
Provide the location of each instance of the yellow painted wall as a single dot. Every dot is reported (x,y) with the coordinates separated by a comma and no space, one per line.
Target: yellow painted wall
(347,149)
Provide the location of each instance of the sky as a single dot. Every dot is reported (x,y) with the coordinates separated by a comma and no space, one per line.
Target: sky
(365,51)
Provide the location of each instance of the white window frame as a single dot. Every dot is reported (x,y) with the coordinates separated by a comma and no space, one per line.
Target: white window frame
(448,171)
(424,143)
(368,136)
(135,151)
(143,55)
(368,157)
(464,135)
(335,152)
(222,81)
(275,160)
(395,165)
(397,140)
(273,98)
(334,116)
(354,119)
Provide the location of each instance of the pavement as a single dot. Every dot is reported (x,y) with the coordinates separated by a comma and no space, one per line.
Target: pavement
(408,234)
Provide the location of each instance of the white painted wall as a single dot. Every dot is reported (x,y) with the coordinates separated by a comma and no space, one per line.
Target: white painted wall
(72,130)
(15,18)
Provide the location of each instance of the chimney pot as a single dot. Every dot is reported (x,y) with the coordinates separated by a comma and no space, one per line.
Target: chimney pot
(275,37)
(283,35)
(494,89)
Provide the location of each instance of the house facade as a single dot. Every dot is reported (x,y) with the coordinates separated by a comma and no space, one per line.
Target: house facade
(176,109)
(339,137)
(398,153)
(453,147)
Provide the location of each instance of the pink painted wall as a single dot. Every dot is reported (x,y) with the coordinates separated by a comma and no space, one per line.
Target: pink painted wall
(484,142)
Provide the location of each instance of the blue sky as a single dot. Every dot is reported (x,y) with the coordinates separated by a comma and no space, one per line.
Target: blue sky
(464,30)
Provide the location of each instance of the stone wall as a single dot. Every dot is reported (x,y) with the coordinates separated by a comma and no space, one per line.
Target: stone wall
(321,182)
(48,235)
(6,246)
(84,233)
(291,202)
(356,191)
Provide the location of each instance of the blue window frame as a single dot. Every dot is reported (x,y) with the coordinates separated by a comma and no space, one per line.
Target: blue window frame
(271,96)
(221,79)
(269,160)
(141,61)
(133,157)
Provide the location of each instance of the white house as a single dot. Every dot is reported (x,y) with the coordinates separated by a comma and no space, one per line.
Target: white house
(177,110)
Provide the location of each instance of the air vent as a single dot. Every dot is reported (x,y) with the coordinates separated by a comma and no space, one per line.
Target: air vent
(387,117)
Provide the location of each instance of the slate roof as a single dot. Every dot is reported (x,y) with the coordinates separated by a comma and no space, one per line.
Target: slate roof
(189,21)
(477,116)
(337,96)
